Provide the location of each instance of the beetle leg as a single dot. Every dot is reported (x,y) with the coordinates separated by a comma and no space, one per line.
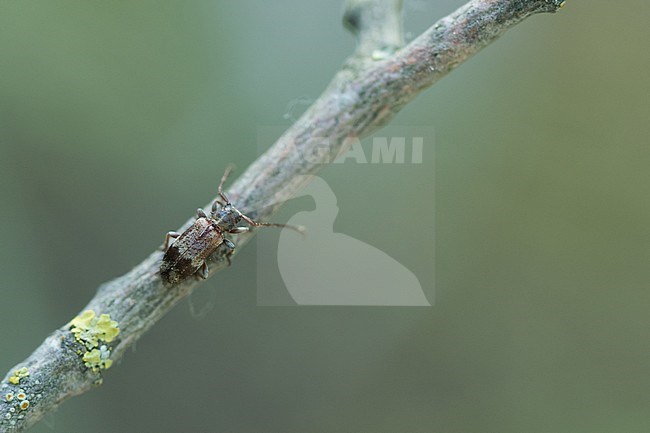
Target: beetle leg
(203,273)
(238,230)
(231,249)
(169,236)
(200,213)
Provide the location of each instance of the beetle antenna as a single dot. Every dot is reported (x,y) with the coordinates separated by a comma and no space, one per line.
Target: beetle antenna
(223,180)
(299,229)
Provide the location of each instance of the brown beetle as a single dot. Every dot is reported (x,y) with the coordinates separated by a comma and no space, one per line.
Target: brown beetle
(187,254)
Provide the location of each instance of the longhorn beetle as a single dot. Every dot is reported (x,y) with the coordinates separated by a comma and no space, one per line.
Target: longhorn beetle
(188,253)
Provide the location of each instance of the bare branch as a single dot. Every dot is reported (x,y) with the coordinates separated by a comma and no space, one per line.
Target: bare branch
(377,81)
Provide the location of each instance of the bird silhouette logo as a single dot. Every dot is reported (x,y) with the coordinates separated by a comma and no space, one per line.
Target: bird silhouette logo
(329,268)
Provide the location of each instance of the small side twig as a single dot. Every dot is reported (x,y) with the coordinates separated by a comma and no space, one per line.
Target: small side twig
(377,25)
(374,84)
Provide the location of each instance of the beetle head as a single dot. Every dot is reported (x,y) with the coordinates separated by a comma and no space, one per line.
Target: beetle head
(228,217)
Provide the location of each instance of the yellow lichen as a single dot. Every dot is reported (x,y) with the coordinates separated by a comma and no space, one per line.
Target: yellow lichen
(98,359)
(91,330)
(83,320)
(18,374)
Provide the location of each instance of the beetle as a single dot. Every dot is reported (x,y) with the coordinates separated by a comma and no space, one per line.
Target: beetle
(188,253)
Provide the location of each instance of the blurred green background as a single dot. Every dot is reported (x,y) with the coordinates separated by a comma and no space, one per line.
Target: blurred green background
(117,119)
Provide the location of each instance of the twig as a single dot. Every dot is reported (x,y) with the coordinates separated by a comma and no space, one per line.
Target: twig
(374,84)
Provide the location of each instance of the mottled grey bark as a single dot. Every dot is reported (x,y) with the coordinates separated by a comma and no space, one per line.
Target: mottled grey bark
(374,84)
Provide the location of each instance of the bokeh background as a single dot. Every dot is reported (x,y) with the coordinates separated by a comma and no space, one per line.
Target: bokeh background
(117,119)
